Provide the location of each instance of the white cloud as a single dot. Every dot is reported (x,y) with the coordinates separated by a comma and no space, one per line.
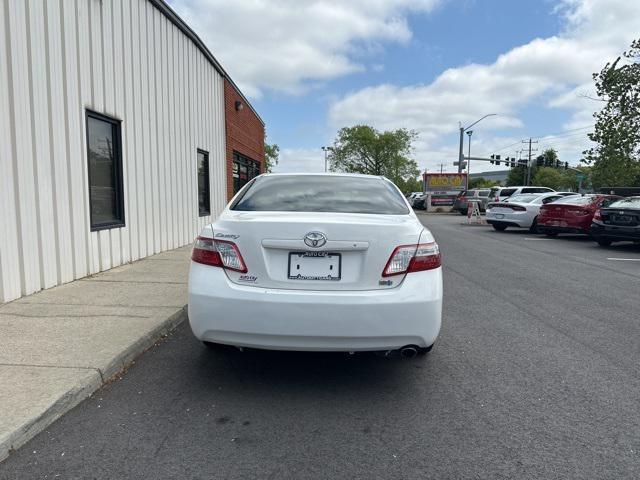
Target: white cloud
(300,160)
(558,67)
(289,45)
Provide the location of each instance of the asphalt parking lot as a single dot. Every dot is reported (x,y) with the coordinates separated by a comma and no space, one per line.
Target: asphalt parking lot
(535,375)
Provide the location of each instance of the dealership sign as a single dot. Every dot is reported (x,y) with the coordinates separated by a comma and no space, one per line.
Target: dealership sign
(446,184)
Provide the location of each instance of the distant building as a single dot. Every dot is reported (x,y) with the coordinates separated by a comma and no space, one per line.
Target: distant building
(494,175)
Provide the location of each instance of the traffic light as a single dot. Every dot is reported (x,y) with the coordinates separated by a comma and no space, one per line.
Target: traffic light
(522,162)
(492,160)
(497,159)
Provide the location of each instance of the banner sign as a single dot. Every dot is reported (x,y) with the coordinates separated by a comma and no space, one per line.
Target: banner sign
(444,183)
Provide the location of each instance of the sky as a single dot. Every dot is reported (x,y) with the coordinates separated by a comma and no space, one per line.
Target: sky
(310,67)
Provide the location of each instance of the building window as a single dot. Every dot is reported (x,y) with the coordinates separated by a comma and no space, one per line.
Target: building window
(244,169)
(204,205)
(104,152)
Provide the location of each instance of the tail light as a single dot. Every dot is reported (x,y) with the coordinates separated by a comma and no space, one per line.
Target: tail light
(517,208)
(413,258)
(218,253)
(597,215)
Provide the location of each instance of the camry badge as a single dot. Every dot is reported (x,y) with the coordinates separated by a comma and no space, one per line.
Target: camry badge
(315,239)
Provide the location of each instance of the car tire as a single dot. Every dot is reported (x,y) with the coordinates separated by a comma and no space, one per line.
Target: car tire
(604,242)
(551,234)
(534,226)
(212,345)
(500,228)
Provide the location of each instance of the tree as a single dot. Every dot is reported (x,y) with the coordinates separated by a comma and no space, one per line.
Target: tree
(552,178)
(271,156)
(363,149)
(616,156)
(482,183)
(410,185)
(517,176)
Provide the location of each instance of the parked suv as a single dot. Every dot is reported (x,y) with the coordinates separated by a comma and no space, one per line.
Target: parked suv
(462,202)
(499,194)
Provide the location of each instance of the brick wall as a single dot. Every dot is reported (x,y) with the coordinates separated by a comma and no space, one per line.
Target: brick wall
(244,132)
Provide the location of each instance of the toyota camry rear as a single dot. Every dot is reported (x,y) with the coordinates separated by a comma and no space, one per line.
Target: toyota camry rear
(324,262)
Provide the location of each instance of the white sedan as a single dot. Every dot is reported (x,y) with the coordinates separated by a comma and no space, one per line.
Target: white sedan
(520,211)
(317,262)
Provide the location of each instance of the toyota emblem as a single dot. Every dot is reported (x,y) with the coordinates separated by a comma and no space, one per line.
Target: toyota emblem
(315,239)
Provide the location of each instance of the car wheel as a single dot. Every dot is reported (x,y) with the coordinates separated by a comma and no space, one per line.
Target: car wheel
(604,242)
(534,226)
(500,228)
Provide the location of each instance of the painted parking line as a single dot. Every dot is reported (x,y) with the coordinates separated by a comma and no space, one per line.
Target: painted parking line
(623,259)
(533,239)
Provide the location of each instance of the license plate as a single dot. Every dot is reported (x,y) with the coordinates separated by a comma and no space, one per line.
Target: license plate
(499,215)
(314,266)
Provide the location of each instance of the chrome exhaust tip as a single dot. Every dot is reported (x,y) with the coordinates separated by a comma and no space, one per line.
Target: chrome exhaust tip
(408,351)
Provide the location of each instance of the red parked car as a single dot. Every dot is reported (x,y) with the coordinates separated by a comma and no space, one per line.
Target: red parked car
(571,214)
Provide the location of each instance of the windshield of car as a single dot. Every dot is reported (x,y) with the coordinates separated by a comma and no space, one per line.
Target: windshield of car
(576,200)
(631,202)
(523,198)
(322,193)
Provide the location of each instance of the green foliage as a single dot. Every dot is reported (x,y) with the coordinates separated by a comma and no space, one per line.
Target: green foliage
(271,156)
(517,176)
(616,157)
(554,178)
(482,183)
(410,185)
(363,149)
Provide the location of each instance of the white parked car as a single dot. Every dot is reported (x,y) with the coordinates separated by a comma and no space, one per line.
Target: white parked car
(499,194)
(520,211)
(412,196)
(324,262)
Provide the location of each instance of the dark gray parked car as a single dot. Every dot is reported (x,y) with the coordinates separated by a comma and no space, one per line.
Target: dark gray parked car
(462,202)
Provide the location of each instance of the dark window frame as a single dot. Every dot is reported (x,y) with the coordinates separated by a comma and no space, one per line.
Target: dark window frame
(252,166)
(116,132)
(202,212)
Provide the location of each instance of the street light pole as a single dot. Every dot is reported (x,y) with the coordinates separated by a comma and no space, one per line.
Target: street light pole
(324,149)
(462,130)
(469,132)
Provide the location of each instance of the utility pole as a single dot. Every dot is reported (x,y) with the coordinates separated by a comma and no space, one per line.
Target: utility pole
(528,178)
(460,151)
(441,167)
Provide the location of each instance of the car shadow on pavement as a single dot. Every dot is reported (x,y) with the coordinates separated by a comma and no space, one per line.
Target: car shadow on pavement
(307,371)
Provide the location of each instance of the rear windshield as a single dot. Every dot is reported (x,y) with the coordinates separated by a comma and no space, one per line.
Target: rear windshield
(631,202)
(576,200)
(505,192)
(322,193)
(522,198)
(483,193)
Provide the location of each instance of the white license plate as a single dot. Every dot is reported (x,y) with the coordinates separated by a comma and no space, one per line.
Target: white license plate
(314,266)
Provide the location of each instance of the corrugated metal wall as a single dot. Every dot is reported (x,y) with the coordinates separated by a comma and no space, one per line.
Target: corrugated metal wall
(125,59)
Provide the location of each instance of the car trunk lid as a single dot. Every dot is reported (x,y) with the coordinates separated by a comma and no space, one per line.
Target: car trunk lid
(350,250)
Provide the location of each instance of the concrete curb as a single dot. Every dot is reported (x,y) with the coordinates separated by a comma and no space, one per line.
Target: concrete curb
(92,382)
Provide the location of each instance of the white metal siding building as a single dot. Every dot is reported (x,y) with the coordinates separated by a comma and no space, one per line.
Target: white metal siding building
(161,93)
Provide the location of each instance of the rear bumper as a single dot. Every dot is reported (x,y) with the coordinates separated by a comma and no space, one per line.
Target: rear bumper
(613,232)
(550,225)
(223,312)
(520,220)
